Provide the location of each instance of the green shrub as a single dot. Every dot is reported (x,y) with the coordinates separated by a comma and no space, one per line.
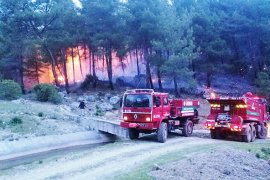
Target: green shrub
(99,111)
(10,90)
(55,98)
(88,82)
(40,114)
(2,124)
(47,92)
(15,121)
(266,151)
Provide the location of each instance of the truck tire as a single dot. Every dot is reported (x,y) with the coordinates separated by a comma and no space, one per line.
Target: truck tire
(195,119)
(213,134)
(253,133)
(187,128)
(247,137)
(162,132)
(196,113)
(133,133)
(262,133)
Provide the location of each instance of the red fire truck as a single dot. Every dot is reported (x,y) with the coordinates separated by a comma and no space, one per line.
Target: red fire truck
(147,111)
(245,116)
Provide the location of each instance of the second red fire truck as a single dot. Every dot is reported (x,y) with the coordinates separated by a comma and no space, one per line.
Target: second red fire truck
(245,116)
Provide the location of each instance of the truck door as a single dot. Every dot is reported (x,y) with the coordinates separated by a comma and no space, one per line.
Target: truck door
(157,108)
(166,107)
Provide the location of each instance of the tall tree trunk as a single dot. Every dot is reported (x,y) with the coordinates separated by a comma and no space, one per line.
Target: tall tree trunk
(37,75)
(130,55)
(73,65)
(167,55)
(64,62)
(193,68)
(85,56)
(159,73)
(175,86)
(138,66)
(122,63)
(103,60)
(159,79)
(90,62)
(21,73)
(94,70)
(149,82)
(109,67)
(60,71)
(80,62)
(53,62)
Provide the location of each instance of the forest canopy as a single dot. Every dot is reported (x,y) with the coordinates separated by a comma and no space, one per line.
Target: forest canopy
(179,40)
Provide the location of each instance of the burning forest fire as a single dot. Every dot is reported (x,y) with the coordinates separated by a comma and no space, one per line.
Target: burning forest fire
(79,64)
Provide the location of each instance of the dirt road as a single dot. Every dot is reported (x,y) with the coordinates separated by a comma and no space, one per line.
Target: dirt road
(113,160)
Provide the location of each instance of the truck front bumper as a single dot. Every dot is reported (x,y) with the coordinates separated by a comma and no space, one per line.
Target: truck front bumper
(142,126)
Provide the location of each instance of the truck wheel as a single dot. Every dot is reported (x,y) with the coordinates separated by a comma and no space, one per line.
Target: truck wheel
(133,133)
(253,133)
(162,133)
(196,113)
(262,134)
(187,128)
(213,134)
(247,137)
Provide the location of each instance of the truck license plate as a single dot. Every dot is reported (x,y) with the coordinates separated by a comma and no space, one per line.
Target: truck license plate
(142,125)
(220,125)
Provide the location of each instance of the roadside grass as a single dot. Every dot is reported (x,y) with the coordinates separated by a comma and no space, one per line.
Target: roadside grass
(15,121)
(142,171)
(27,126)
(32,108)
(23,124)
(25,118)
(2,124)
(260,150)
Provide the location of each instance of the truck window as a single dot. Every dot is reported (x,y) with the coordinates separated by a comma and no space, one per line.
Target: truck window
(157,101)
(137,100)
(165,101)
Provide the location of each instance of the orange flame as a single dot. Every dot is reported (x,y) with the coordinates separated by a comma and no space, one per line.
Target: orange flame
(82,66)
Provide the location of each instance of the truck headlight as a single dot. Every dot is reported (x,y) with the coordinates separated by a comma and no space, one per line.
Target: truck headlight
(148,119)
(125,118)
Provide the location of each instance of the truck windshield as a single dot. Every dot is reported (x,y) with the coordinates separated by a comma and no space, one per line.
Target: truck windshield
(138,100)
